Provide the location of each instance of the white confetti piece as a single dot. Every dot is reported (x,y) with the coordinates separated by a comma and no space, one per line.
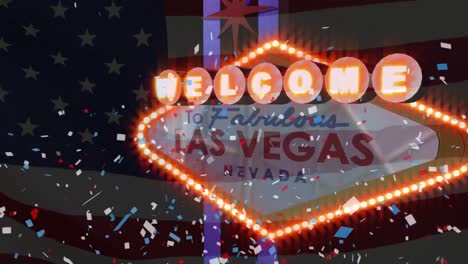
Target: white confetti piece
(196,49)
(312,110)
(89,217)
(107,211)
(214,261)
(78,172)
(67,260)
(445,45)
(6,230)
(170,243)
(210,159)
(349,204)
(148,226)
(2,211)
(410,219)
(126,245)
(9,154)
(257,249)
(120,137)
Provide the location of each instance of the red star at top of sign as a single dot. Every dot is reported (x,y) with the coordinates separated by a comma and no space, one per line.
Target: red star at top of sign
(235,13)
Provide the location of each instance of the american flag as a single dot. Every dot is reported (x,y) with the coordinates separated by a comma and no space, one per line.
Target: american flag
(74,76)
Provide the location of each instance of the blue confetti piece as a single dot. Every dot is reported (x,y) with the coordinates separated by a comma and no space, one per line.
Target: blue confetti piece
(173,201)
(235,249)
(188,237)
(174,236)
(36,150)
(97,252)
(343,232)
(442,67)
(142,141)
(112,217)
(331,47)
(431,78)
(133,210)
(189,82)
(317,119)
(29,223)
(40,233)
(179,217)
(16,255)
(122,222)
(170,207)
(319,98)
(146,241)
(272,250)
(103,172)
(341,241)
(224,112)
(394,209)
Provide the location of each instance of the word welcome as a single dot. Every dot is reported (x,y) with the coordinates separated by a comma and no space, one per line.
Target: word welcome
(396,78)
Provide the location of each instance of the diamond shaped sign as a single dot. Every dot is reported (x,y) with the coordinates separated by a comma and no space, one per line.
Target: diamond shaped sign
(283,168)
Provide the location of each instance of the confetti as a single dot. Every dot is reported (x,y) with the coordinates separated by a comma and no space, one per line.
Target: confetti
(120,137)
(442,67)
(350,204)
(445,45)
(410,219)
(312,110)
(343,232)
(40,233)
(6,230)
(67,260)
(257,249)
(394,209)
(196,49)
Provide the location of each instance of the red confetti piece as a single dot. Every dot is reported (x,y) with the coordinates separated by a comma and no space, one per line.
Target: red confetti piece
(284,188)
(422,172)
(34,213)
(407,157)
(363,121)
(292,118)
